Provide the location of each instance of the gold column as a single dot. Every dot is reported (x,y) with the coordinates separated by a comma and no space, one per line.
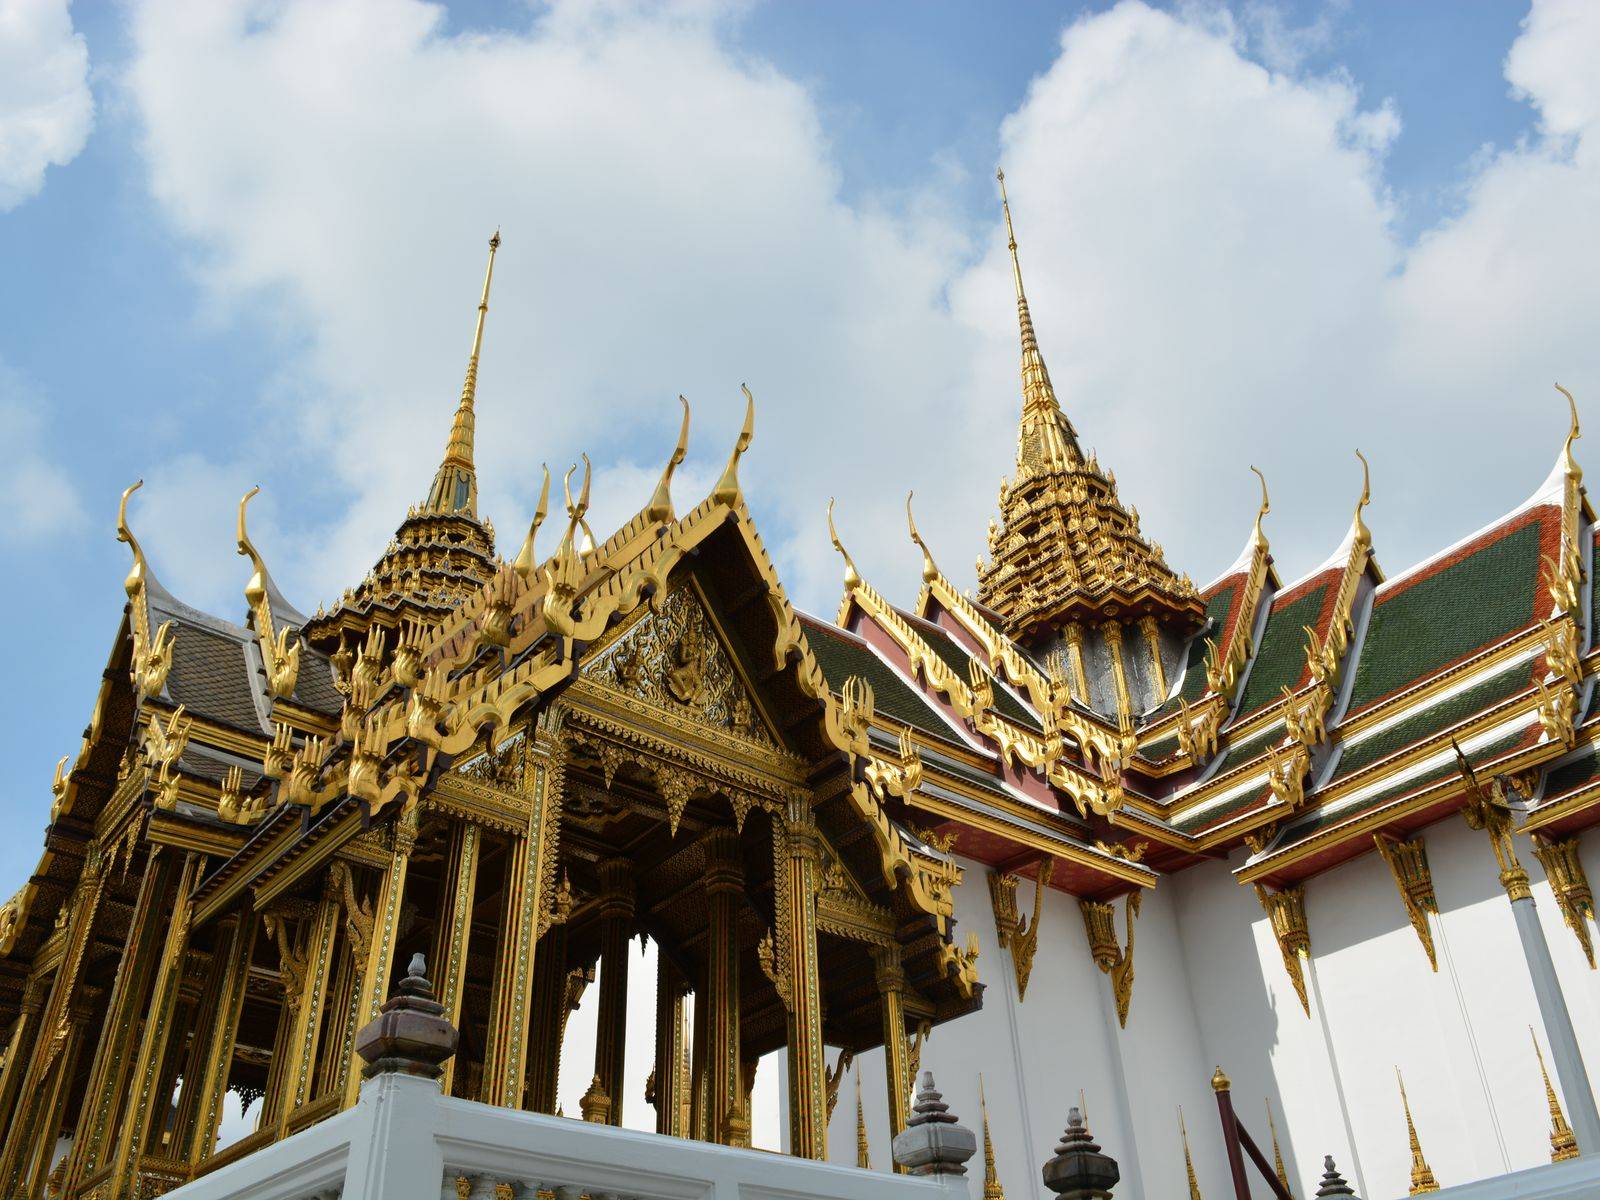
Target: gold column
(300,1072)
(505,1065)
(55,1026)
(892,991)
(53,1101)
(669,1079)
(19,1048)
(108,1076)
(1080,678)
(724,883)
(1152,639)
(1112,630)
(808,1106)
(546,1030)
(449,962)
(134,1127)
(333,1056)
(385,928)
(616,928)
(213,1084)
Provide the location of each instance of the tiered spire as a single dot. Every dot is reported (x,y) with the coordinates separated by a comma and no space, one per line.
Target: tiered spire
(863,1151)
(1046,440)
(1067,550)
(991,1176)
(455,486)
(1563,1145)
(1422,1179)
(1188,1159)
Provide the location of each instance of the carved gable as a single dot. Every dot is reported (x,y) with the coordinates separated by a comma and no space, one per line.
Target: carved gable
(674,658)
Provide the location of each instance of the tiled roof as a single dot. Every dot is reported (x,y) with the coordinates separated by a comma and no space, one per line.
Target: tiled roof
(1280,660)
(841,655)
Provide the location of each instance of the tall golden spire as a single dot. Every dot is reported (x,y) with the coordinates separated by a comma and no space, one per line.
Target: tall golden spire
(1277,1154)
(863,1152)
(455,486)
(1562,1144)
(1422,1179)
(1188,1160)
(1046,440)
(991,1178)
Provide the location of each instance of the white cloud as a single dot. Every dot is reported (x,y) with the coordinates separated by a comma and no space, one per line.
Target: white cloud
(1209,246)
(35,493)
(45,106)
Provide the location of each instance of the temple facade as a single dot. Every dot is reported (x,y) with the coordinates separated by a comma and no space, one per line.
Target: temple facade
(1336,822)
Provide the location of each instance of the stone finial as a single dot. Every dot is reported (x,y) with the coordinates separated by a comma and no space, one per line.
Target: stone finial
(1333,1183)
(1079,1171)
(933,1141)
(410,1034)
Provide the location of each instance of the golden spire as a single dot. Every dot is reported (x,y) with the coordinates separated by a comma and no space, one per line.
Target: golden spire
(1188,1160)
(991,1179)
(1277,1154)
(1422,1179)
(455,486)
(1562,1144)
(1046,440)
(863,1154)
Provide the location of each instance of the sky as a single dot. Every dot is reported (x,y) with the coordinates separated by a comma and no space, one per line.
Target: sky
(241,243)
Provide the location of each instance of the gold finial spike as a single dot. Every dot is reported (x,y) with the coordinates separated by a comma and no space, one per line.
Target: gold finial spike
(930,572)
(1188,1159)
(455,486)
(660,508)
(525,562)
(727,489)
(1569,464)
(140,569)
(1562,1143)
(1277,1154)
(991,1177)
(1363,534)
(1219,1081)
(863,1151)
(1259,538)
(1046,440)
(852,577)
(1422,1179)
(256,588)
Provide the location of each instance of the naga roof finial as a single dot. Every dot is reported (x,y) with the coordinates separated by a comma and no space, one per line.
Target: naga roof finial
(1363,534)
(1569,464)
(930,572)
(660,507)
(852,577)
(727,489)
(141,566)
(525,562)
(1259,538)
(455,486)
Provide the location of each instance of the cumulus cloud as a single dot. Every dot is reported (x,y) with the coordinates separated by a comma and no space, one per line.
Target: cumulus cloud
(35,492)
(1209,245)
(45,106)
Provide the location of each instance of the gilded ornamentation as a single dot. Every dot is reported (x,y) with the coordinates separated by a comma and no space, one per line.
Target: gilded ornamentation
(1569,884)
(1558,711)
(1286,775)
(1408,863)
(1016,932)
(1115,960)
(1485,808)
(1286,909)
(163,746)
(1422,1179)
(13,915)
(152,655)
(1197,730)
(280,648)
(835,1075)
(1305,716)
(1563,1145)
(359,915)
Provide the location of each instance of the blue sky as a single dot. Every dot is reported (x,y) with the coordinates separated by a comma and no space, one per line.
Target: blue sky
(1266,233)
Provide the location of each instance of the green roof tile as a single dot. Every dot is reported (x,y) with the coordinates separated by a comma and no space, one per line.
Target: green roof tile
(1281,658)
(841,655)
(1449,615)
(1434,719)
(1570,776)
(957,659)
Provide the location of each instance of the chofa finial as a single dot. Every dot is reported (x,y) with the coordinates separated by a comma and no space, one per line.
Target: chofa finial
(1568,462)
(852,577)
(660,507)
(727,489)
(525,562)
(1260,537)
(930,572)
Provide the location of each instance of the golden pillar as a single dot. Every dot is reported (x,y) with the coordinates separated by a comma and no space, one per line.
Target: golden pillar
(897,1065)
(338,1039)
(511,1007)
(449,962)
(134,1128)
(808,1107)
(55,1026)
(549,1024)
(1080,677)
(212,1081)
(130,993)
(670,1047)
(299,1074)
(1112,630)
(616,929)
(724,883)
(385,929)
(1152,640)
(53,1103)
(19,1048)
